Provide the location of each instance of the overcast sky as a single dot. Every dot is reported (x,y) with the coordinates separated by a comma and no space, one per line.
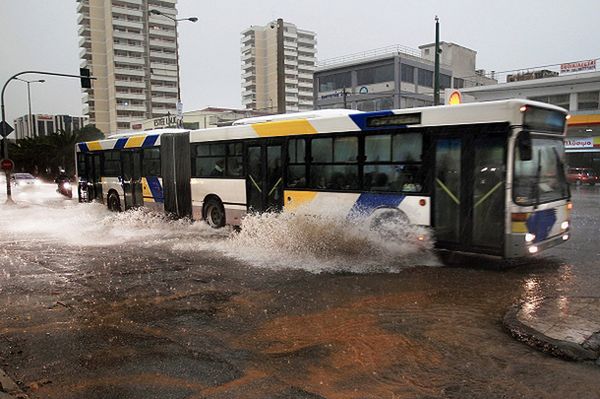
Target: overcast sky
(510,34)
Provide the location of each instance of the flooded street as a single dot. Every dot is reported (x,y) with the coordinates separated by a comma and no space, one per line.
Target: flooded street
(133,305)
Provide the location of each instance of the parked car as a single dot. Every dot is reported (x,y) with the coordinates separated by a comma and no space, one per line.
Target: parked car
(582,176)
(24,180)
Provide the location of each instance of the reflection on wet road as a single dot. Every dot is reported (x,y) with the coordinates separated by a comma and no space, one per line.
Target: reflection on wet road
(96,305)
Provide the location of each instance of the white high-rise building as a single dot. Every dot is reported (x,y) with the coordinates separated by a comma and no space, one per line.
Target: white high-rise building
(133,55)
(278,62)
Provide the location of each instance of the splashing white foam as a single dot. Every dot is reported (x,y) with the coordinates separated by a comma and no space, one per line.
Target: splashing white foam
(323,243)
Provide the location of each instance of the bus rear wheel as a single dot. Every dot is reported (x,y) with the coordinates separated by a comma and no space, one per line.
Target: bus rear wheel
(214,214)
(113,202)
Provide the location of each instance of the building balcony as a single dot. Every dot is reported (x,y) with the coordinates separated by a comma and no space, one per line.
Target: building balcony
(156,31)
(127,35)
(127,11)
(130,96)
(248,75)
(128,83)
(290,52)
(83,7)
(138,2)
(84,30)
(160,68)
(164,100)
(130,72)
(157,42)
(303,68)
(164,89)
(172,11)
(123,107)
(307,41)
(250,55)
(128,47)
(247,48)
(128,24)
(163,55)
(304,75)
(306,58)
(129,60)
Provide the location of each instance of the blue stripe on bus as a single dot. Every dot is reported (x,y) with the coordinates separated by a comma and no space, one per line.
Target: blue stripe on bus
(120,144)
(361,119)
(83,147)
(149,141)
(540,223)
(368,202)
(155,188)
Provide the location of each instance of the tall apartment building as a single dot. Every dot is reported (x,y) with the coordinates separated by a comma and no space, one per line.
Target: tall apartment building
(133,55)
(278,62)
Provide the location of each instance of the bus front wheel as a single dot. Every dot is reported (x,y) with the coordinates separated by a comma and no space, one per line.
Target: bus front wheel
(214,214)
(114,203)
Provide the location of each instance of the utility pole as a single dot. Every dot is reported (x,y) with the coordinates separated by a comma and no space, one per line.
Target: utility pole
(30,120)
(436,77)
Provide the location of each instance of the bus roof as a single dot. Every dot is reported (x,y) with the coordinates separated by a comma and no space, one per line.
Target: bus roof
(331,121)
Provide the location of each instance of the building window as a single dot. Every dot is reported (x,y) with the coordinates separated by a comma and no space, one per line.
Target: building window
(384,73)
(335,81)
(588,100)
(425,78)
(459,83)
(445,81)
(407,73)
(561,100)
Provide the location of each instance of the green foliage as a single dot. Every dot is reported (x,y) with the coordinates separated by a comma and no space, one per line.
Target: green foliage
(44,155)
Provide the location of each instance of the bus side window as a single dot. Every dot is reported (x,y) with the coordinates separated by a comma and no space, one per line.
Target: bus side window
(151,162)
(296,163)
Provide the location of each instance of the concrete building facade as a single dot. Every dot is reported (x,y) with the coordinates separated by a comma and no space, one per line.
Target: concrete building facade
(44,124)
(393,77)
(579,93)
(278,63)
(133,56)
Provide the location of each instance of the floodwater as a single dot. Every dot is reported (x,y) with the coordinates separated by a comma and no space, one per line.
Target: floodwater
(134,305)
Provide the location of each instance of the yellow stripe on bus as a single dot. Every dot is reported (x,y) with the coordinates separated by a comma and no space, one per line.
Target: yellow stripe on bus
(284,128)
(94,146)
(519,227)
(135,141)
(146,189)
(295,199)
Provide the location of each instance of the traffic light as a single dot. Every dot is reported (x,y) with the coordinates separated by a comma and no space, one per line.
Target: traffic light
(86,82)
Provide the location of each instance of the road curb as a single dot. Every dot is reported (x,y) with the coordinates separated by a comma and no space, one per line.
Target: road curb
(530,336)
(9,389)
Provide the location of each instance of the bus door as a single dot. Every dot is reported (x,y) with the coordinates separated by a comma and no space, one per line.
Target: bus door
(93,163)
(469,190)
(132,178)
(264,179)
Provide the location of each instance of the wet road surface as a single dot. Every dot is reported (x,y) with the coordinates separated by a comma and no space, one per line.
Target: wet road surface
(94,305)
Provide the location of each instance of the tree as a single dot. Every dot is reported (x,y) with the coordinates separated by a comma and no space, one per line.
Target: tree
(44,155)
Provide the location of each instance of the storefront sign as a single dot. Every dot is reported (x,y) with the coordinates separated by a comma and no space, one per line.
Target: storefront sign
(584,142)
(166,121)
(588,65)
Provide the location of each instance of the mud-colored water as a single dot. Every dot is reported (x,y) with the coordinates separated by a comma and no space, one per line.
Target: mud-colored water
(134,305)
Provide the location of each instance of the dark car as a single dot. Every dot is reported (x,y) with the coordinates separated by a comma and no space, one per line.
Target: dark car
(582,176)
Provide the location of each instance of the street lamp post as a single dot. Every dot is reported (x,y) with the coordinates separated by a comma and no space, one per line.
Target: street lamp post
(30,120)
(176,20)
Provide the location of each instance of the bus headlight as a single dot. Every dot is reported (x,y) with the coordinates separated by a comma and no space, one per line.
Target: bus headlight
(533,249)
(529,237)
(564,225)
(565,237)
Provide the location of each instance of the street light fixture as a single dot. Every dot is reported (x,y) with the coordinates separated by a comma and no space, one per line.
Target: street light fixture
(30,121)
(176,20)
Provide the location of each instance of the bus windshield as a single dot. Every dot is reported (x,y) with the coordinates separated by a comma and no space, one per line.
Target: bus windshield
(542,178)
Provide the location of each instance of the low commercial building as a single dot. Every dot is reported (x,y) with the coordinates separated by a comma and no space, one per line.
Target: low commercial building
(573,86)
(199,119)
(394,77)
(45,124)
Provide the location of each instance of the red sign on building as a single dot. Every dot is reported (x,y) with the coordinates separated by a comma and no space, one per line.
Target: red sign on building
(588,65)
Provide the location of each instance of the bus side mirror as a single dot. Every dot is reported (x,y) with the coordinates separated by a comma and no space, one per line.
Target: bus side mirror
(524,144)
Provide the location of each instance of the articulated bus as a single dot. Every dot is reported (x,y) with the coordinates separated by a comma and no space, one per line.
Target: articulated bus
(488,178)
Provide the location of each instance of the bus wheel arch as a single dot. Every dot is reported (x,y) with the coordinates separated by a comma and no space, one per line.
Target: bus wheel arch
(113,201)
(213,211)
